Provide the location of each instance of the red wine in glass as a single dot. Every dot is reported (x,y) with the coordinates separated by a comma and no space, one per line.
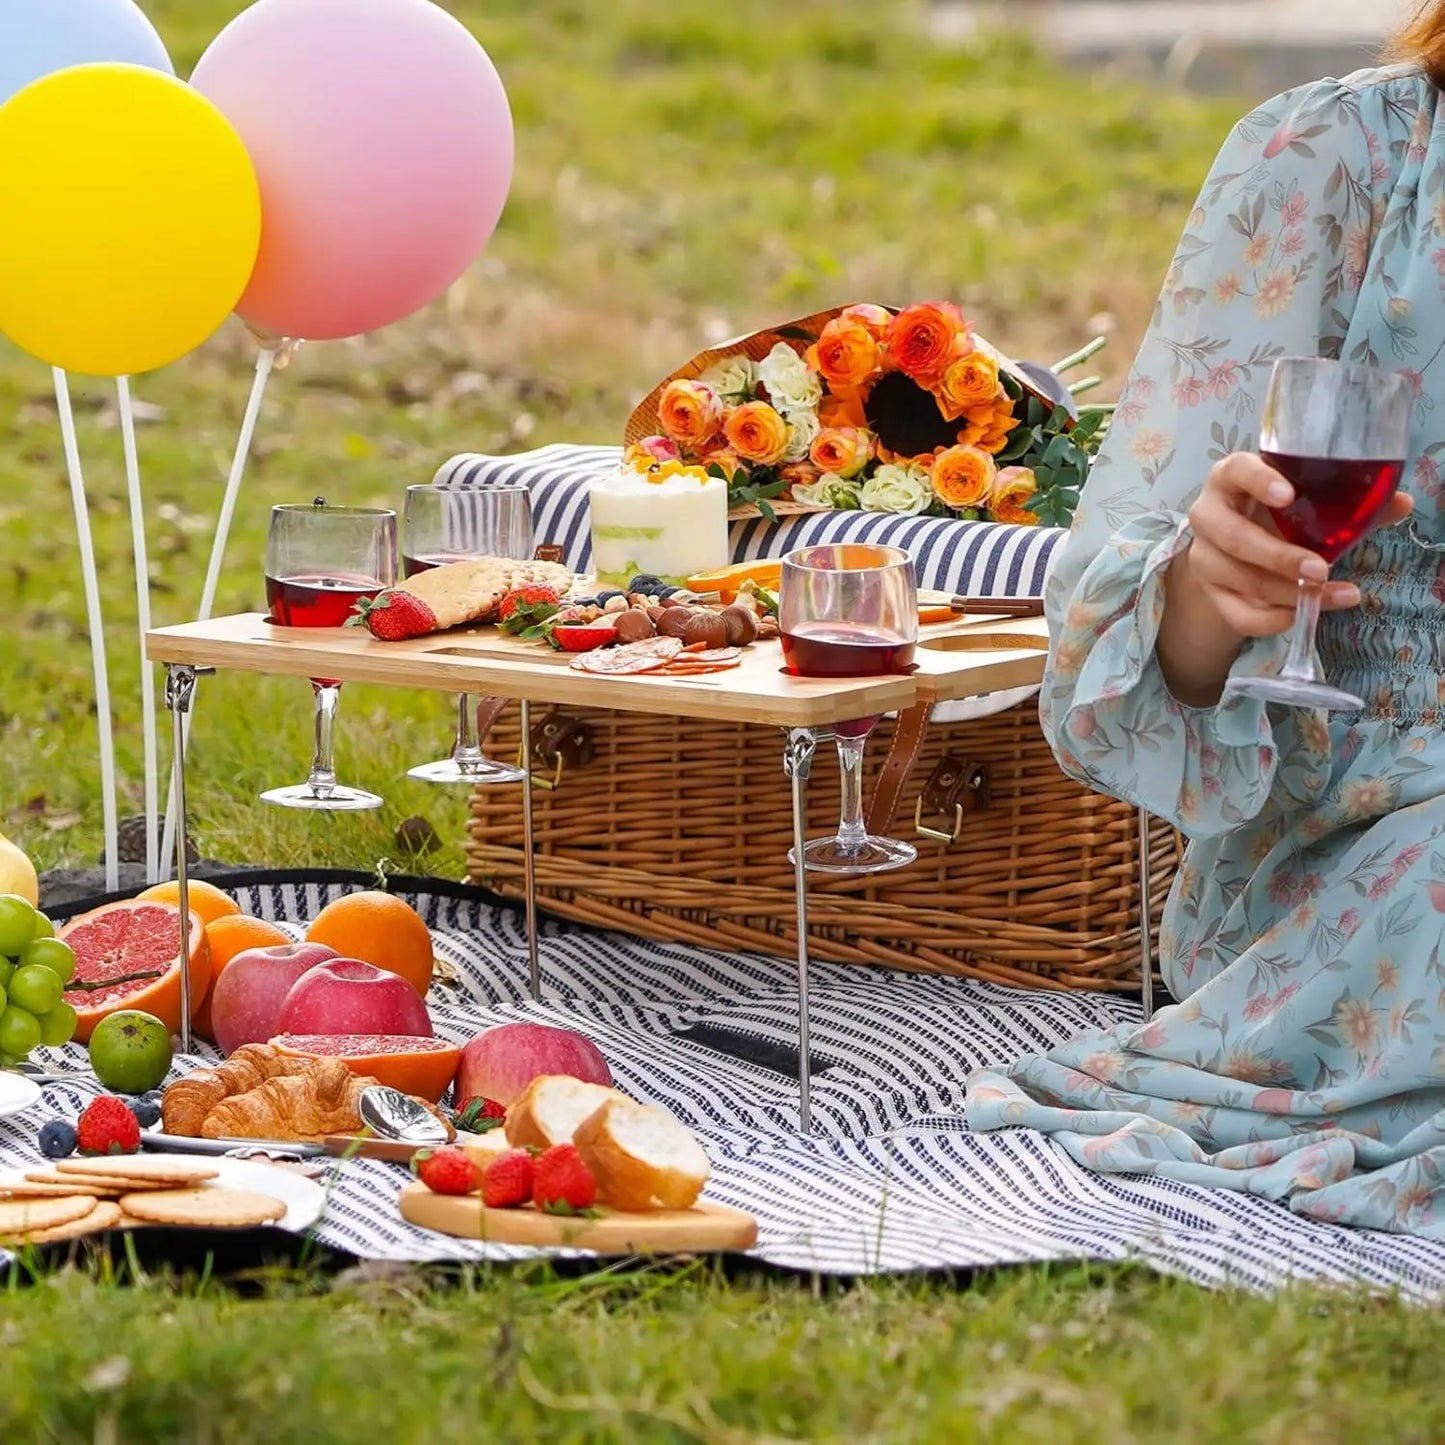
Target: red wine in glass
(845,649)
(412,565)
(1336,499)
(311,599)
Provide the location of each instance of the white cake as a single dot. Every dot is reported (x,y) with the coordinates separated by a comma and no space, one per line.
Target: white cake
(670,523)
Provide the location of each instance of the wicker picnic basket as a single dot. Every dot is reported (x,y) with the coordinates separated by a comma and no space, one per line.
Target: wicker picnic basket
(678,830)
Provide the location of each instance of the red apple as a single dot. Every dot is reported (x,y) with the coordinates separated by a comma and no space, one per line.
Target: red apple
(247,997)
(500,1063)
(346,996)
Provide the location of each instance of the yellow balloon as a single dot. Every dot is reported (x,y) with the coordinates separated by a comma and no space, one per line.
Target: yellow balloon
(130,219)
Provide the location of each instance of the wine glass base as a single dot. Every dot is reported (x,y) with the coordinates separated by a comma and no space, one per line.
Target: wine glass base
(450,771)
(338,800)
(1296,692)
(875,855)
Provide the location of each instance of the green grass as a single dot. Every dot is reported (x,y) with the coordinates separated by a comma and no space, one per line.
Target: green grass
(685,172)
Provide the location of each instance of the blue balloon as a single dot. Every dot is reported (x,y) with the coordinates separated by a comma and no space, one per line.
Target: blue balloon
(38,37)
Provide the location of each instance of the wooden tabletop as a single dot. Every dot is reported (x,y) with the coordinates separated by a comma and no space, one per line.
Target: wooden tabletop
(955,660)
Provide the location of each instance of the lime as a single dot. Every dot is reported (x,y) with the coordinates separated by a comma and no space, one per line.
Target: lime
(58,1026)
(130,1051)
(44,928)
(19,1031)
(35,989)
(51,953)
(17,924)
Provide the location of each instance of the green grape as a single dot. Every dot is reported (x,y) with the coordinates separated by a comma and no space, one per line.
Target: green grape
(7,972)
(17,923)
(58,1026)
(44,928)
(51,953)
(35,989)
(19,1031)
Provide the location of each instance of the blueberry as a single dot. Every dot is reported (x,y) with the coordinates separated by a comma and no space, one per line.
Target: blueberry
(643,583)
(583,602)
(608,593)
(57,1139)
(147,1112)
(668,592)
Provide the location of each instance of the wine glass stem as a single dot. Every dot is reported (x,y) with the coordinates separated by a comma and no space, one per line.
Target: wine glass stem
(851,833)
(322,781)
(467,754)
(1301,660)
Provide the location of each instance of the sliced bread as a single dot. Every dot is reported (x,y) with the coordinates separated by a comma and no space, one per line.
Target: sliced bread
(642,1157)
(551,1108)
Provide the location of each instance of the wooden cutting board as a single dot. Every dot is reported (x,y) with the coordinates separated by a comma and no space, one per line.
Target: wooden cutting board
(705,1228)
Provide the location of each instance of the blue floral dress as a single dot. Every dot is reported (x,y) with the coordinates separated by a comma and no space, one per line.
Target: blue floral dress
(1305,1060)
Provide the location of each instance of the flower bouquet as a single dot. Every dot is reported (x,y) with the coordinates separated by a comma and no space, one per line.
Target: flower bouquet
(868,407)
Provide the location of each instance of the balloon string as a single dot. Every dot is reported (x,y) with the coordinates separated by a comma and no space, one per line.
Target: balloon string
(143,625)
(265,361)
(97,629)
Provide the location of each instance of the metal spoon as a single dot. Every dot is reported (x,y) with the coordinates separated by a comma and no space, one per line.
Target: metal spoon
(390,1114)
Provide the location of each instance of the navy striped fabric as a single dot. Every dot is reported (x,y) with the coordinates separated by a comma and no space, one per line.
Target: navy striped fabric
(890,1180)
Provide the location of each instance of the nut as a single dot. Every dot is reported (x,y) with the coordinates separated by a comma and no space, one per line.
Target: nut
(768,628)
(654,613)
(673,601)
(615,604)
(742,625)
(706,628)
(634,625)
(674,621)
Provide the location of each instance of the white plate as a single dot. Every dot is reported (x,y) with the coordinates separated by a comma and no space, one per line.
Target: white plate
(304,1198)
(17,1094)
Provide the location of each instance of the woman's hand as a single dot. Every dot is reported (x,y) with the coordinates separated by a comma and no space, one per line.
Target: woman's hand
(1239,578)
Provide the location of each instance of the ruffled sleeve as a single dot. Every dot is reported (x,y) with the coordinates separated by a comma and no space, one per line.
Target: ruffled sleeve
(1271,264)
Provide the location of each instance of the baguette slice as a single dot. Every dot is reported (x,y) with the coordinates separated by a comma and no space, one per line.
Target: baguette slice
(642,1157)
(550,1110)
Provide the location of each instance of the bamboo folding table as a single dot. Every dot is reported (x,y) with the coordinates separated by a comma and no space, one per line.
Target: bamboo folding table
(955,660)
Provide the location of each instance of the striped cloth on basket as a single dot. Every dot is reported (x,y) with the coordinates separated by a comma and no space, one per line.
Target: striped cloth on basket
(890,1180)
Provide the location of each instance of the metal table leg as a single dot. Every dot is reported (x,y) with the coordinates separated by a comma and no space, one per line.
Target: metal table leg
(529,868)
(797,763)
(1146,910)
(180,689)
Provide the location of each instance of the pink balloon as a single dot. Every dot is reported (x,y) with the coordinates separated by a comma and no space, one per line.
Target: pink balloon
(382,140)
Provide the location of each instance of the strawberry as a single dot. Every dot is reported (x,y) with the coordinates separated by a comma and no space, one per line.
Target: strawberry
(448,1171)
(582,637)
(526,605)
(395,615)
(564,1184)
(477,1115)
(107,1127)
(508,1180)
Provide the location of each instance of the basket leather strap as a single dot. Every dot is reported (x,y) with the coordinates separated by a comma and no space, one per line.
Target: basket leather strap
(489,709)
(897,767)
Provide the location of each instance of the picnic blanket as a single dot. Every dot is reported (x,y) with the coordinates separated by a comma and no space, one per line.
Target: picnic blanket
(890,1179)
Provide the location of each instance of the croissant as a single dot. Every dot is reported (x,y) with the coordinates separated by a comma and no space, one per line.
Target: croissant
(188,1102)
(326,1100)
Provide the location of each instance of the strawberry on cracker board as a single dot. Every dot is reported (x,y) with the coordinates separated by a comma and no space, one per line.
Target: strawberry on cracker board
(479,590)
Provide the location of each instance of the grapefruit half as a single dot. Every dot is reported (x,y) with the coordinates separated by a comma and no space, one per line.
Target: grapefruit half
(408,1062)
(128,956)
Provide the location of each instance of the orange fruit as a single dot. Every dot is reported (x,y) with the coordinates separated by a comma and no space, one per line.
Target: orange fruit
(766,572)
(201,897)
(379,930)
(117,947)
(229,936)
(414,1065)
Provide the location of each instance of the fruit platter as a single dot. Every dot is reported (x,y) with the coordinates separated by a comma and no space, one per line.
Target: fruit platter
(529,1139)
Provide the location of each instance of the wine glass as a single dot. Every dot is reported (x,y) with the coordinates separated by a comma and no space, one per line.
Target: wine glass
(320,562)
(1339,434)
(850,610)
(441,526)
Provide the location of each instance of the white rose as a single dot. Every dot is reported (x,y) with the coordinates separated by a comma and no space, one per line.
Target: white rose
(733,378)
(803,427)
(830,490)
(791,386)
(905,491)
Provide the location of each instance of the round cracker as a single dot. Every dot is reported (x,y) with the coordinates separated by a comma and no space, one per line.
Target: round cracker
(105,1215)
(213,1207)
(180,1173)
(24,1216)
(94,1183)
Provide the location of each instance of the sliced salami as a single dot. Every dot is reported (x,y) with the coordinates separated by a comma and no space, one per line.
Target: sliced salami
(714,656)
(648,655)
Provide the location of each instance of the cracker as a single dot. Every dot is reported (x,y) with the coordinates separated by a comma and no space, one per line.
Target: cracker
(212,1207)
(181,1173)
(111,1185)
(105,1215)
(55,1187)
(24,1216)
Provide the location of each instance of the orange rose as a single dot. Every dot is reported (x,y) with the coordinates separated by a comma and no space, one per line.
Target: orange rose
(690,413)
(843,409)
(876,318)
(757,433)
(724,457)
(650,450)
(799,474)
(1011,489)
(842,450)
(846,355)
(923,339)
(964,477)
(967,380)
(987,427)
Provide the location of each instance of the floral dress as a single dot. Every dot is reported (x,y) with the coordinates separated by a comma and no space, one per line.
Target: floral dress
(1305,1059)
